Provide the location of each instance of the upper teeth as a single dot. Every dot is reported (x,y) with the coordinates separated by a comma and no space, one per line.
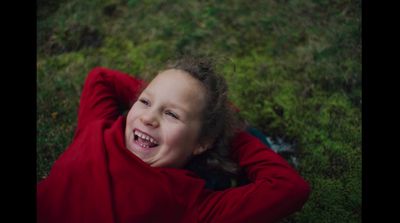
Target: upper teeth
(146,137)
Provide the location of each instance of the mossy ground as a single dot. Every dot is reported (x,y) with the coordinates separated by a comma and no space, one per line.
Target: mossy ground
(293,67)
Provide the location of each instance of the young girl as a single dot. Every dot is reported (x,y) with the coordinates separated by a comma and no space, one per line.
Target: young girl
(139,167)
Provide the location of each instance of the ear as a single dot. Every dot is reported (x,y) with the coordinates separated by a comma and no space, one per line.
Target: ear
(201,148)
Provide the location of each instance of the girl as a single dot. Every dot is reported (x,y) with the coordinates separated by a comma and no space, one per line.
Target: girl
(140,167)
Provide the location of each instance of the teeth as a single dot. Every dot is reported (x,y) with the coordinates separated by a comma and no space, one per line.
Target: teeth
(145,137)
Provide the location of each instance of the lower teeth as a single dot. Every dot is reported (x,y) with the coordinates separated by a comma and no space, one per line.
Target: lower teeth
(145,146)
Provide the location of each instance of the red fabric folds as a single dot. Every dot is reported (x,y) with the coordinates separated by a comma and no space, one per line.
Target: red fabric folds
(98,180)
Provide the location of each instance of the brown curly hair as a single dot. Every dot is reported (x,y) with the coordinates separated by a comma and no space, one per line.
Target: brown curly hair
(219,118)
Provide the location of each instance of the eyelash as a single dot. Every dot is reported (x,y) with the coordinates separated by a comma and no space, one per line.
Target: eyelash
(144,101)
(173,115)
(147,103)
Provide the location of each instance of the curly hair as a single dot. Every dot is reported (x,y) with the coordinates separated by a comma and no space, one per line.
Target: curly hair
(219,118)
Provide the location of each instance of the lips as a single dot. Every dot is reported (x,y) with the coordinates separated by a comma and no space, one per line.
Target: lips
(144,140)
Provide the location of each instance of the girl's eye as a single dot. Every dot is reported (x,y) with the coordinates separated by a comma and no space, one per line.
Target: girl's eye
(144,101)
(173,115)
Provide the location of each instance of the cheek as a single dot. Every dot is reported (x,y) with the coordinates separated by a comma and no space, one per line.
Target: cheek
(174,135)
(132,114)
(181,137)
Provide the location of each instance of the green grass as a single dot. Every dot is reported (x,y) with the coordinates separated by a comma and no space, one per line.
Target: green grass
(293,67)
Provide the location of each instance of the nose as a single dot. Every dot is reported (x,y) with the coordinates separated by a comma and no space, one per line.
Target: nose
(149,119)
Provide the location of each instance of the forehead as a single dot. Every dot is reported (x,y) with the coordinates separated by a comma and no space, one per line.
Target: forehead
(178,87)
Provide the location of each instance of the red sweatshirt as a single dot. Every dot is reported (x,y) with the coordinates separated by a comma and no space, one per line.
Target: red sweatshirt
(97,179)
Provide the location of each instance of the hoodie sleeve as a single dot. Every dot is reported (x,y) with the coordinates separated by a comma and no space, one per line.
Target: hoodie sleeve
(106,94)
(276,189)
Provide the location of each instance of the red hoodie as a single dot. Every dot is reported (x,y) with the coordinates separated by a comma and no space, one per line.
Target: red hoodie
(97,179)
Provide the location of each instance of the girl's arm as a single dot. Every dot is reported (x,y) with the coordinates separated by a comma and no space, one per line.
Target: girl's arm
(276,189)
(106,94)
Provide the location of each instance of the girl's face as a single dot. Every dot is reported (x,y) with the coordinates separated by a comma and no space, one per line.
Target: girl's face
(163,126)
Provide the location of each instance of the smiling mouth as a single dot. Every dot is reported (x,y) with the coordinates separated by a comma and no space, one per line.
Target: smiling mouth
(144,140)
